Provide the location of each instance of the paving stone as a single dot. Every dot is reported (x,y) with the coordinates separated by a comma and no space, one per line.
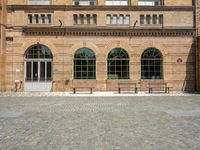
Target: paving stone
(100,123)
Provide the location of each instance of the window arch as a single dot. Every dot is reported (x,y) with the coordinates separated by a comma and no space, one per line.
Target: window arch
(152,64)
(38,51)
(84,64)
(118,64)
(38,63)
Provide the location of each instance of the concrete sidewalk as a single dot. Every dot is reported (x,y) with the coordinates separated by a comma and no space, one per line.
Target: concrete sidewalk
(95,94)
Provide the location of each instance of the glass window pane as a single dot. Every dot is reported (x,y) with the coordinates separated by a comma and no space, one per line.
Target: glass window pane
(121,19)
(114,19)
(108,19)
(127,19)
(141,19)
(43,19)
(36,19)
(49,18)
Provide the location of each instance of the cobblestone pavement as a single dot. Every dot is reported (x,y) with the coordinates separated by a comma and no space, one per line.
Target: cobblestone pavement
(100,123)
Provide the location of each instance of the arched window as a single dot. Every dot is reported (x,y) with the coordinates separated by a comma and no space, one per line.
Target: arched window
(152,64)
(38,63)
(84,64)
(118,64)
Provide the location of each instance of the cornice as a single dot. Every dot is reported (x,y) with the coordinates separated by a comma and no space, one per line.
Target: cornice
(71,31)
(99,8)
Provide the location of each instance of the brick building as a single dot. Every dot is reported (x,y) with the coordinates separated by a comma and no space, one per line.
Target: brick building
(53,44)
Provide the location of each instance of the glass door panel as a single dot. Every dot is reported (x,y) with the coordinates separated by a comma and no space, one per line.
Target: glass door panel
(42,71)
(35,71)
(28,70)
(49,68)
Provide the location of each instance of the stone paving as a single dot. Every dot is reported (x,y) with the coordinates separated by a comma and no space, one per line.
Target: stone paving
(100,123)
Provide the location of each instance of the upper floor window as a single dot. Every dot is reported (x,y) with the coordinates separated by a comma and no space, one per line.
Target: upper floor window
(43,18)
(84,2)
(116,2)
(115,19)
(149,2)
(151,19)
(39,2)
(160,20)
(39,19)
(121,19)
(83,19)
(127,21)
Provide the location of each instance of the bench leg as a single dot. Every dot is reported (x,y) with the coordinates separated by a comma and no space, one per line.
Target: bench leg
(150,89)
(90,90)
(74,90)
(119,90)
(136,90)
(166,90)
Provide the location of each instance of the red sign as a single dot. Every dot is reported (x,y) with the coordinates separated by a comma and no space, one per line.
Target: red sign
(179,61)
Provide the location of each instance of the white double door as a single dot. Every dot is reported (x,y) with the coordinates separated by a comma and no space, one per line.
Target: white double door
(38,75)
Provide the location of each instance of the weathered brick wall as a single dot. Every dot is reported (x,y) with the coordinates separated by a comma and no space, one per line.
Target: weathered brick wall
(179,76)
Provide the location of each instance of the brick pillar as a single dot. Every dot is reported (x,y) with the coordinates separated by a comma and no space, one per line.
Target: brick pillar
(3,15)
(198,44)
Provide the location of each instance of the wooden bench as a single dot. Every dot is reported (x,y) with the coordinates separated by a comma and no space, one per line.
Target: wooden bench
(127,85)
(83,85)
(90,89)
(158,87)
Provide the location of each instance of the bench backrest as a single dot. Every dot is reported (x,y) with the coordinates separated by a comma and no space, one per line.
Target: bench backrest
(158,85)
(127,84)
(84,83)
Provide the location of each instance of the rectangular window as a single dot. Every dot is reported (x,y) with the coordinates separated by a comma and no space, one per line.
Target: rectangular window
(43,18)
(92,3)
(76,3)
(114,19)
(84,2)
(149,2)
(154,19)
(94,19)
(49,18)
(75,19)
(39,2)
(116,2)
(88,18)
(148,17)
(81,18)
(108,19)
(127,19)
(36,19)
(121,19)
(141,19)
(160,19)
(30,19)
